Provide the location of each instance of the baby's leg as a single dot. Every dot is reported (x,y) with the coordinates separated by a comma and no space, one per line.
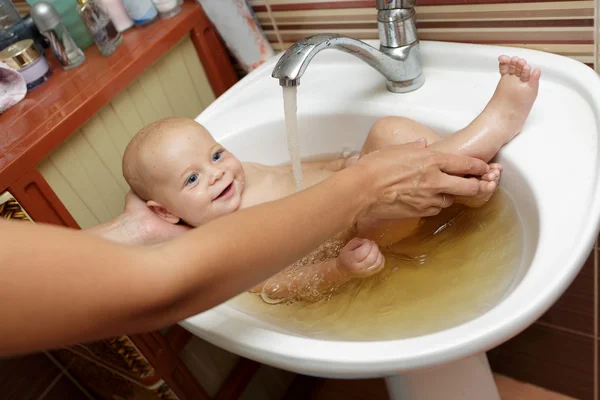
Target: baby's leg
(501,120)
(503,117)
(388,131)
(399,130)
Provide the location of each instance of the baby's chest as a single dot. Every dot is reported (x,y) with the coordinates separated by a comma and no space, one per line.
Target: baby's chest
(267,186)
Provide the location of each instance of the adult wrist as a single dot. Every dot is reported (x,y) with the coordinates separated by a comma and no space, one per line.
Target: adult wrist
(359,188)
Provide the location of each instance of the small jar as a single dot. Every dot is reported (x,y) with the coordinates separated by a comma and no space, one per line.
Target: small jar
(167,8)
(25,58)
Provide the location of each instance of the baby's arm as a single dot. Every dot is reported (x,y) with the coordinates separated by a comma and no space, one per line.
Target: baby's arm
(360,258)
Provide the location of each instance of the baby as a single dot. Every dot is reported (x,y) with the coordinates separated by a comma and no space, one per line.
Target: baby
(184,175)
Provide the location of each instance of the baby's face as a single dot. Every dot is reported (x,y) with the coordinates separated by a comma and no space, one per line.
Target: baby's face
(199,179)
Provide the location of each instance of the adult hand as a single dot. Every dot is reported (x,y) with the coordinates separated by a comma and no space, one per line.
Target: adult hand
(413,181)
(144,226)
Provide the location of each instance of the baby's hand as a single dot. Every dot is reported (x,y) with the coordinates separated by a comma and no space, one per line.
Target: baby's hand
(360,258)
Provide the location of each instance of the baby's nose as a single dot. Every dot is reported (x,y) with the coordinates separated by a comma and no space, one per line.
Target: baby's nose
(216,175)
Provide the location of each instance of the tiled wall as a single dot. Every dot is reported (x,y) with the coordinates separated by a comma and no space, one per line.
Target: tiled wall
(558,352)
(562,27)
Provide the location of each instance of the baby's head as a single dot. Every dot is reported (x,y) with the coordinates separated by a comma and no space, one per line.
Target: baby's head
(182,173)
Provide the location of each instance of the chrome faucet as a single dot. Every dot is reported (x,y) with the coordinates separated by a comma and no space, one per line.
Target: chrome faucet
(398,58)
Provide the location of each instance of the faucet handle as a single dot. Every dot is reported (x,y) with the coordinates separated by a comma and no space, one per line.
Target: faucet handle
(392,4)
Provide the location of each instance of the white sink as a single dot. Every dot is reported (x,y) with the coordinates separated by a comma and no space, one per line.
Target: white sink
(550,170)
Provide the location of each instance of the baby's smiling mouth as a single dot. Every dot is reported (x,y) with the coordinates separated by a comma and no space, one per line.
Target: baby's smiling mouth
(228,189)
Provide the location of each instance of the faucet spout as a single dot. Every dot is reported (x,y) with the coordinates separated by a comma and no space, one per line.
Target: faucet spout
(398,58)
(402,69)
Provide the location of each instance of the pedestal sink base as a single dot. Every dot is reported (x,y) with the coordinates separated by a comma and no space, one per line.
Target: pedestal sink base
(469,378)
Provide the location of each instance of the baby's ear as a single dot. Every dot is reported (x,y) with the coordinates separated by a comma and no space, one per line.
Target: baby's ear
(162,212)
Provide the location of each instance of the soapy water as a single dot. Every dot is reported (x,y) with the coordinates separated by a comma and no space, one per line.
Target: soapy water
(290,110)
(455,267)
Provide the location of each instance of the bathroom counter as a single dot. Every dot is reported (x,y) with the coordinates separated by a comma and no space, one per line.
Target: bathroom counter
(50,113)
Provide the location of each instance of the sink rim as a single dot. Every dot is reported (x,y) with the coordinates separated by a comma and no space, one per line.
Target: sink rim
(331,358)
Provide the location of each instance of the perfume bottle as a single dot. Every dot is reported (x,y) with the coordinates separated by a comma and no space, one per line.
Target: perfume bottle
(106,36)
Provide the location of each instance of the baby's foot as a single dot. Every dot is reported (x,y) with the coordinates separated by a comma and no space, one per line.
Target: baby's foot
(514,96)
(487,187)
(504,115)
(360,258)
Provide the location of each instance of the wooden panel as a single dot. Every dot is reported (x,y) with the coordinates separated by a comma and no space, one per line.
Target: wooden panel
(85,171)
(35,195)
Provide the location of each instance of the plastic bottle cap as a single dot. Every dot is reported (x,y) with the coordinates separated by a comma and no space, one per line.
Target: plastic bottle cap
(45,16)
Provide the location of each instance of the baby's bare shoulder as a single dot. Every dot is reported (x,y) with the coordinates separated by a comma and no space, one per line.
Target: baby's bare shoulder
(266,183)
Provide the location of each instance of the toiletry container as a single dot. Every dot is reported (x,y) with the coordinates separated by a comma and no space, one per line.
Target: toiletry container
(117,13)
(8,14)
(103,31)
(142,12)
(26,58)
(49,23)
(67,9)
(167,8)
(241,33)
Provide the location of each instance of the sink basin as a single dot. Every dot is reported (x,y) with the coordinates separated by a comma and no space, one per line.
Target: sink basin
(550,171)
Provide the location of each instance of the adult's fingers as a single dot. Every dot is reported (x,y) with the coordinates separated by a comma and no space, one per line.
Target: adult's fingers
(442,201)
(458,186)
(461,165)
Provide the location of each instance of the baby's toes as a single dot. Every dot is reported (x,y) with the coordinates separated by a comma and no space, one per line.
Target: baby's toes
(494,174)
(526,73)
(491,176)
(487,187)
(503,64)
(496,166)
(520,64)
(513,65)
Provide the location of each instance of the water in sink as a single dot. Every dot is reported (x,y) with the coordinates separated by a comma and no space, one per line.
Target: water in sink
(457,266)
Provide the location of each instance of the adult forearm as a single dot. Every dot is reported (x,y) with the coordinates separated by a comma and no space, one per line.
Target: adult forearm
(113,230)
(61,287)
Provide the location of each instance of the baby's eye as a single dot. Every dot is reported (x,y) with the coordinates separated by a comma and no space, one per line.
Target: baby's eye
(217,156)
(193,178)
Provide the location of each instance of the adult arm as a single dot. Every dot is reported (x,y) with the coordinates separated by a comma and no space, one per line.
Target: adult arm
(60,287)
